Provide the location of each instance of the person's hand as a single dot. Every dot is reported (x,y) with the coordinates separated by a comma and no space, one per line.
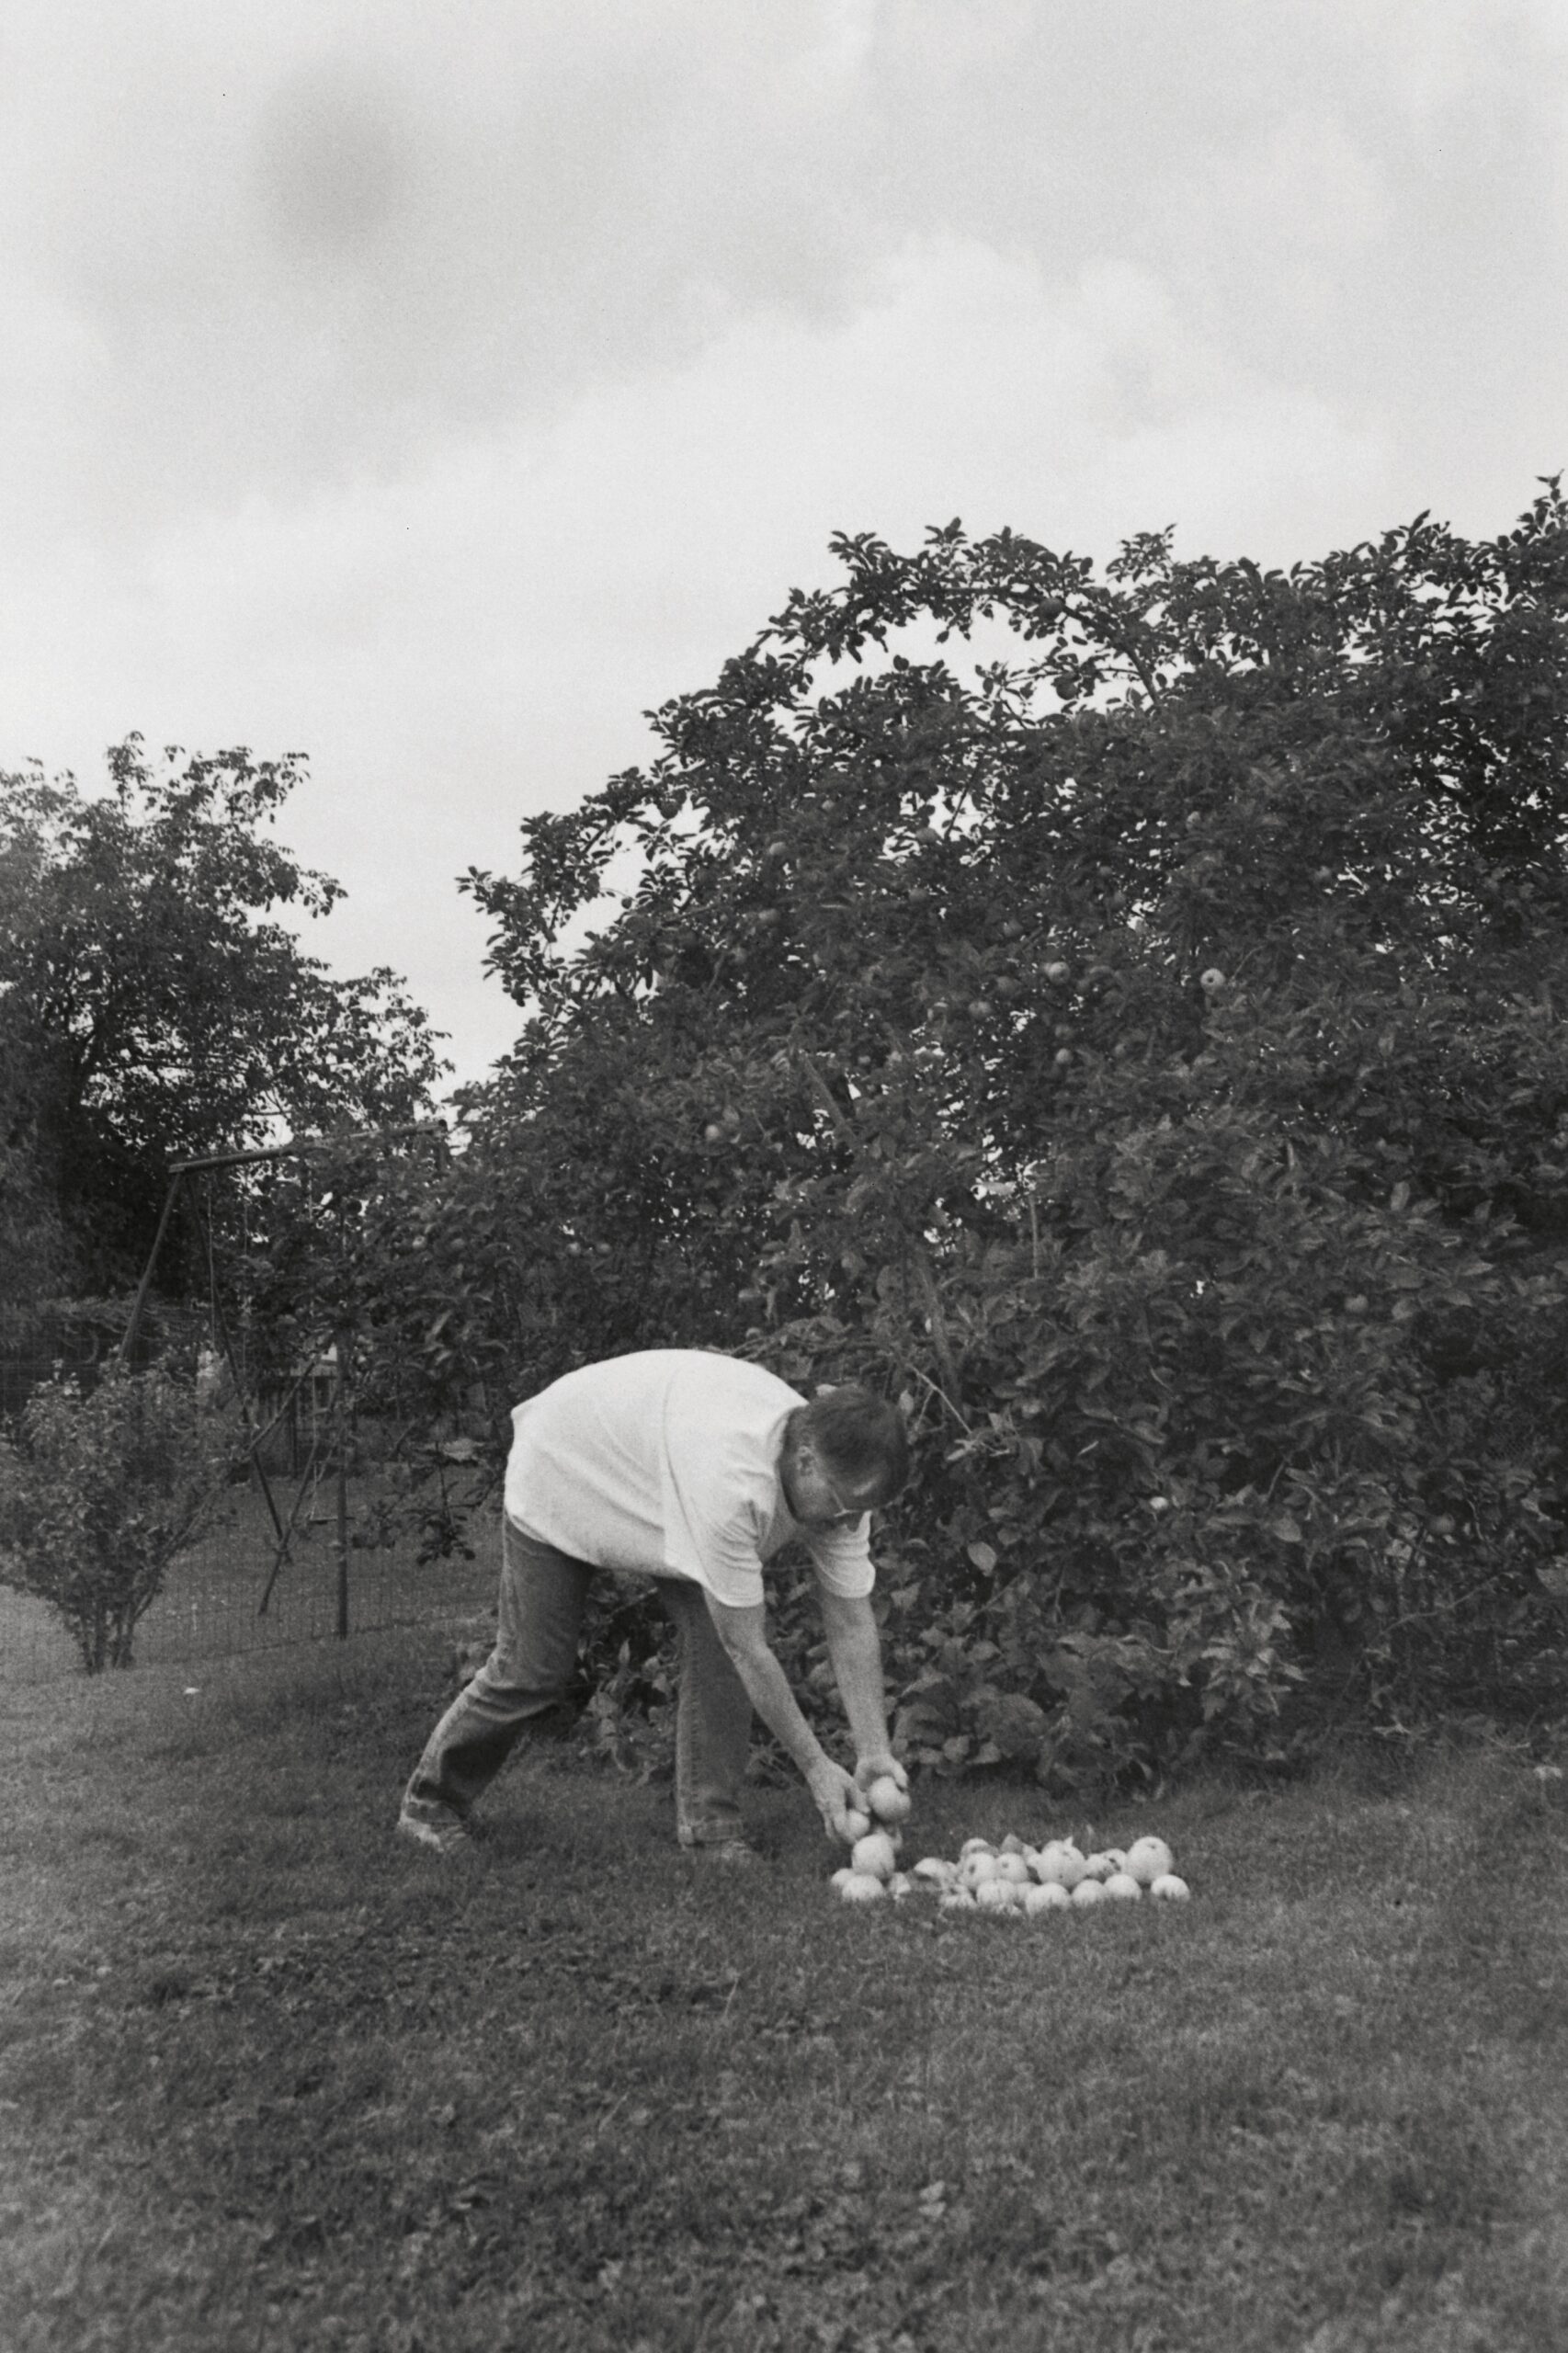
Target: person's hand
(836,1795)
(883,1786)
(878,1765)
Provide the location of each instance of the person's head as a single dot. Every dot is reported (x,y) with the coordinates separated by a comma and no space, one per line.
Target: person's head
(845,1454)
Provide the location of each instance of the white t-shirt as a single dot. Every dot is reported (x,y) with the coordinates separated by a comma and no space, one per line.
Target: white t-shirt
(667,1462)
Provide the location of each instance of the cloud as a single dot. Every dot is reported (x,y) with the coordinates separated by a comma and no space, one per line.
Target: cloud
(305,239)
(656,522)
(302,240)
(434,390)
(478,636)
(337,160)
(963,380)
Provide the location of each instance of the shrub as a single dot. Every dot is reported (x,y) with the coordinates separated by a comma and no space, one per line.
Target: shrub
(1135,1037)
(100,1490)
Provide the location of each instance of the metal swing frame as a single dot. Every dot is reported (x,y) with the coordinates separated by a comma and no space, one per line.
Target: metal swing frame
(182,1174)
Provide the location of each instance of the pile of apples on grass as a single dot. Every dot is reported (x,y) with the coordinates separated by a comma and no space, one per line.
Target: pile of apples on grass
(1011,1878)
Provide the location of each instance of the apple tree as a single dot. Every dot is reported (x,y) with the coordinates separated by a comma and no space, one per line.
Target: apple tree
(1120,1011)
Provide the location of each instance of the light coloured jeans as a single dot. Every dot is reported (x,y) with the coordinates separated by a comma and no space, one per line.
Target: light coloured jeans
(526,1675)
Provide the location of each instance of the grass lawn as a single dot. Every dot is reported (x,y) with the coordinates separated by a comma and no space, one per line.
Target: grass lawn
(269,2079)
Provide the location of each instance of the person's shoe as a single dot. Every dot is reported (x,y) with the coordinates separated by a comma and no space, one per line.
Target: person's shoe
(735,1852)
(443,1834)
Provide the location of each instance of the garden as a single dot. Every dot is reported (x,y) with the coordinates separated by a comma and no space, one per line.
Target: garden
(1114,1012)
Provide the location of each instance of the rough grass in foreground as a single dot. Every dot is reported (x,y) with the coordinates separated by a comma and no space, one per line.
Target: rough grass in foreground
(270,2079)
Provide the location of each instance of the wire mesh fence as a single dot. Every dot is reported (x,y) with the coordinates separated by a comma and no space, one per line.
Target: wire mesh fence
(238,1591)
(314,1538)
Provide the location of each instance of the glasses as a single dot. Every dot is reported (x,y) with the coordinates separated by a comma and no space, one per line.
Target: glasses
(845,1517)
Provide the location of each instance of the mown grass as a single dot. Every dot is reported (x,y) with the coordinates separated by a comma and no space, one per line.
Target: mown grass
(270,2079)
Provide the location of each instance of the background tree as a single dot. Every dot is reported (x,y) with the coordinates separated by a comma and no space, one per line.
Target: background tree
(31,1242)
(152,1007)
(1126,1006)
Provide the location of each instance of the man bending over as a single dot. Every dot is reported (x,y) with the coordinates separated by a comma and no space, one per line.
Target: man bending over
(694,1469)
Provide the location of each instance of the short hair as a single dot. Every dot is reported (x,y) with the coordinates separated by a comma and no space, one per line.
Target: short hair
(859,1435)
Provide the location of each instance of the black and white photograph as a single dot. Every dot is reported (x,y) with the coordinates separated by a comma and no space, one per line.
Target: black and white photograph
(784,1176)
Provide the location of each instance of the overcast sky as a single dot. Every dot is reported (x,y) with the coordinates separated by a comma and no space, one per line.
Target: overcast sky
(432,386)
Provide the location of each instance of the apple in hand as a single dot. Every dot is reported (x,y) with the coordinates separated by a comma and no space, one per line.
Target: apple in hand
(887,1799)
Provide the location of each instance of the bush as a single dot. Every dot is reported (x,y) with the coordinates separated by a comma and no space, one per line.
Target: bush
(1136,1038)
(101,1490)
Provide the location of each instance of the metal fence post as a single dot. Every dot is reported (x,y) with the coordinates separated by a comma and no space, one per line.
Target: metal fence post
(340,1418)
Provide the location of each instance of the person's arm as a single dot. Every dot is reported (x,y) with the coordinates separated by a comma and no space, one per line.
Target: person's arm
(855,1650)
(744,1634)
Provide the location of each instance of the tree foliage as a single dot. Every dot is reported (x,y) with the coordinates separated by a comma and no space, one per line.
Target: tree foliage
(1121,1009)
(155,1005)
